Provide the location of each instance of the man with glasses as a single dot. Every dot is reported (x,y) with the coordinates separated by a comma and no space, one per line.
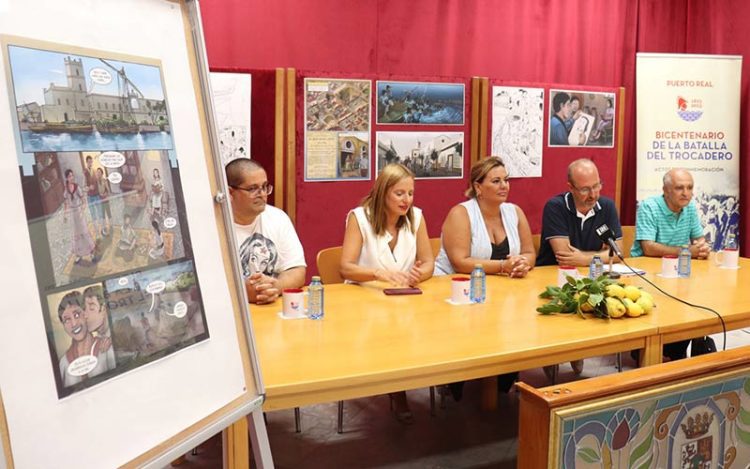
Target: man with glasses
(271,255)
(569,224)
(667,221)
(664,223)
(570,220)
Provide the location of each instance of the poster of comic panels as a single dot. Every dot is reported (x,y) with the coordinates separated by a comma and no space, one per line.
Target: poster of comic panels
(337,129)
(105,211)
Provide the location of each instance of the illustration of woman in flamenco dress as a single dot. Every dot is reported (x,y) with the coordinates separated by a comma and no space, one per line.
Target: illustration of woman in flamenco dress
(75,204)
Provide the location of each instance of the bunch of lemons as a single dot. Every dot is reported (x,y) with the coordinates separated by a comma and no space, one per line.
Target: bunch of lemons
(629,301)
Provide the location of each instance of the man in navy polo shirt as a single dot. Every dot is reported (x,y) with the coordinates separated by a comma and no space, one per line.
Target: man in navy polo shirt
(569,224)
(570,220)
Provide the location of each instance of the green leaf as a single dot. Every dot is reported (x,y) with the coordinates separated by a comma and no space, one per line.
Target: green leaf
(744,416)
(550,308)
(743,435)
(647,464)
(747,386)
(648,413)
(595,299)
(589,455)
(642,448)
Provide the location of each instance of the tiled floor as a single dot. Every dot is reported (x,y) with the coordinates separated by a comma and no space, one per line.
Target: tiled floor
(459,436)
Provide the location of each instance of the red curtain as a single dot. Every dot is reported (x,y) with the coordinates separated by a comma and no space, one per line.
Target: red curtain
(578,42)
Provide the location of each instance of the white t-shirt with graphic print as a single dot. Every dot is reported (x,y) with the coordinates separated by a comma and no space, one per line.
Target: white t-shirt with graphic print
(269,245)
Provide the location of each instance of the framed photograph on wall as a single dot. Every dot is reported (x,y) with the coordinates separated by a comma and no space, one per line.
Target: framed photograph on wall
(430,155)
(420,103)
(581,118)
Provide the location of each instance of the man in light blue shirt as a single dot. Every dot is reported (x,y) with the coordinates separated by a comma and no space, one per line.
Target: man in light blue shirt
(668,221)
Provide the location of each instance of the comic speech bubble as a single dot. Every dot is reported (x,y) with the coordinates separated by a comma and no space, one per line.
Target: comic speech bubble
(82,365)
(115,177)
(100,76)
(180,310)
(122,281)
(157,286)
(112,159)
(170,222)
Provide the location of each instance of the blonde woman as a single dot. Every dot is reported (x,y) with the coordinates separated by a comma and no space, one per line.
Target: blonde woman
(386,239)
(487,230)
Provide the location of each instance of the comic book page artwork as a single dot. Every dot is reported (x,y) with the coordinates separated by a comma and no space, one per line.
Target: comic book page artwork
(105,211)
(231,95)
(337,129)
(517,128)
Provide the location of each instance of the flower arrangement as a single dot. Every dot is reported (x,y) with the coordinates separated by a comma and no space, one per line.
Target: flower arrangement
(602,297)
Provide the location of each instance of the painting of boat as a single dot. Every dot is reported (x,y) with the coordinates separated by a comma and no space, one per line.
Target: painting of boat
(60,127)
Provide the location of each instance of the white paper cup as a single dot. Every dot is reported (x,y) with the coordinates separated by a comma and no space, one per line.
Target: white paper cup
(728,258)
(293,303)
(460,290)
(669,266)
(565,271)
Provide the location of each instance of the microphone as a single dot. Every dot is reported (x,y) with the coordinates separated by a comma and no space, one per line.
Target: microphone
(608,238)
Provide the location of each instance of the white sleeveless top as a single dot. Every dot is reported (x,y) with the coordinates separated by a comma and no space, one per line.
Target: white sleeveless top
(481,245)
(376,254)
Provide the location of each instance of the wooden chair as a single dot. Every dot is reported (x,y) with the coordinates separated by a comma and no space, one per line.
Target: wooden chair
(537,240)
(435,245)
(328,262)
(628,238)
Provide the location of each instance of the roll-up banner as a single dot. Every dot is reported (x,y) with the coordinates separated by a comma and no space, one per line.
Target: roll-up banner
(688,116)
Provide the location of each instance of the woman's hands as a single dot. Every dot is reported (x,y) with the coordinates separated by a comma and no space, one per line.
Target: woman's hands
(516,266)
(399,278)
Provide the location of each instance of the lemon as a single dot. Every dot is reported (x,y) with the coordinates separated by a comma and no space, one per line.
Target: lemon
(645,294)
(615,308)
(646,303)
(615,290)
(633,309)
(632,292)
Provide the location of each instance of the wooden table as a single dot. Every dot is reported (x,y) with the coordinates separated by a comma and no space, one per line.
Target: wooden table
(726,291)
(371,344)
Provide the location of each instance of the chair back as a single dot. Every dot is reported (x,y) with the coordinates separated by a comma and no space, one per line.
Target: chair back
(628,238)
(329,262)
(435,245)
(536,239)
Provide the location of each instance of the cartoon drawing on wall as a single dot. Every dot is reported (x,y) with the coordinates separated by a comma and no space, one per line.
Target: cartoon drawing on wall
(72,102)
(517,127)
(420,103)
(231,95)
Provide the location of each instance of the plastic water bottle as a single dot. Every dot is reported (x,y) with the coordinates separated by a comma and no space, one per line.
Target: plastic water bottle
(683,262)
(731,243)
(596,268)
(478,284)
(315,302)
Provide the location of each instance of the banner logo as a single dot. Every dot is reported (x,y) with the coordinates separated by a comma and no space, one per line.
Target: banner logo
(689,111)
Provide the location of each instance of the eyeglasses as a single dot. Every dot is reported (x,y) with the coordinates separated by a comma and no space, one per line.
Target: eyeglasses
(588,190)
(255,191)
